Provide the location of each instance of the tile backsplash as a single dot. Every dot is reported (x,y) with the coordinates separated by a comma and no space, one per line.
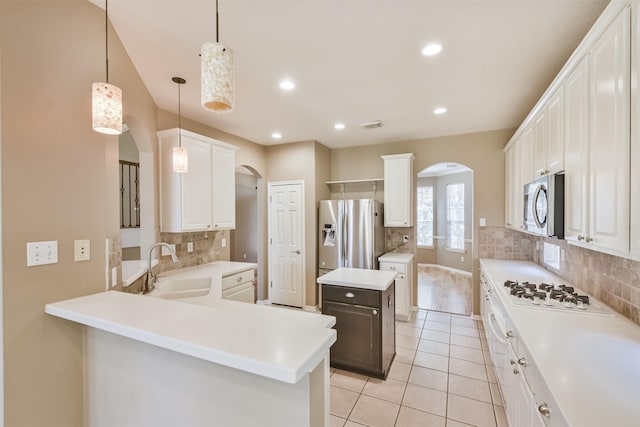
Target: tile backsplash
(394,239)
(207,247)
(613,280)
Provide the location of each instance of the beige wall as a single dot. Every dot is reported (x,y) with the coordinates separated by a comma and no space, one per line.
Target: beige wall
(481,152)
(310,162)
(59,182)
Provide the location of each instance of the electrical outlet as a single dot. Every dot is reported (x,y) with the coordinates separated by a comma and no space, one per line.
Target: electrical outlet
(461,259)
(223,243)
(41,253)
(165,250)
(190,247)
(483,222)
(81,250)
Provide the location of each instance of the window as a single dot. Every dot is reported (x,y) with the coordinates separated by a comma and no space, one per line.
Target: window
(455,216)
(425,216)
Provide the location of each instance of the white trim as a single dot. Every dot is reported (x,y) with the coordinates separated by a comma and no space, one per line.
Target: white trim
(456,250)
(476,317)
(271,184)
(426,247)
(311,308)
(444,267)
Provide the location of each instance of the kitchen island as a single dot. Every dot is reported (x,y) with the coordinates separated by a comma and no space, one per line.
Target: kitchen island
(157,362)
(363,303)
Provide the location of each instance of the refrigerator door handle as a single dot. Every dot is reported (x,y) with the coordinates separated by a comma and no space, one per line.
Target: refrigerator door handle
(345,247)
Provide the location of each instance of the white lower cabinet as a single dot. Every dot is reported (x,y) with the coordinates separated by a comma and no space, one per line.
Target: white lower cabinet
(402,264)
(240,286)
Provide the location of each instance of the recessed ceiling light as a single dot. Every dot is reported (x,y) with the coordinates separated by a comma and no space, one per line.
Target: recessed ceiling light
(276,135)
(432,49)
(440,110)
(287,85)
(338,126)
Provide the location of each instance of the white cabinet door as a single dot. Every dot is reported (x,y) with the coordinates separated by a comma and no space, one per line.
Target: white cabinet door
(526,155)
(196,186)
(555,139)
(576,146)
(539,142)
(609,136)
(635,129)
(398,190)
(223,188)
(514,185)
(404,280)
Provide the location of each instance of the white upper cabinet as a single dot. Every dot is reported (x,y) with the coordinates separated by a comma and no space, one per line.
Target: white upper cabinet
(539,144)
(576,145)
(555,133)
(514,186)
(203,198)
(398,190)
(635,129)
(609,151)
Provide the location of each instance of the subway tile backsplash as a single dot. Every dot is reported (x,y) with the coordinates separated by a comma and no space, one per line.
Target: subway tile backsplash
(611,279)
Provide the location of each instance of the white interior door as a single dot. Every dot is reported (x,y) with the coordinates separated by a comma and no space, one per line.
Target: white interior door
(286,243)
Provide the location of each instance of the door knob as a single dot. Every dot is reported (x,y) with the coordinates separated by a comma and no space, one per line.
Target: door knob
(296,252)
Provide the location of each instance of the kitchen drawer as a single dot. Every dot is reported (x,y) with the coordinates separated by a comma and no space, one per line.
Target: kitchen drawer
(353,296)
(237,279)
(398,267)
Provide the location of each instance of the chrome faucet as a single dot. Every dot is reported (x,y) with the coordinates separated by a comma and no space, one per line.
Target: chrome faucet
(150,283)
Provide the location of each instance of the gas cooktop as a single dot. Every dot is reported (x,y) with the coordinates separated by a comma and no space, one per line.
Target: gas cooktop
(552,296)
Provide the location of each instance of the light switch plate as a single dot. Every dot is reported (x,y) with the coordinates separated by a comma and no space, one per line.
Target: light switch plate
(81,250)
(41,253)
(483,222)
(223,242)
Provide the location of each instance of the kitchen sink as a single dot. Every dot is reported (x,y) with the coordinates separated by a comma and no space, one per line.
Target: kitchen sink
(182,288)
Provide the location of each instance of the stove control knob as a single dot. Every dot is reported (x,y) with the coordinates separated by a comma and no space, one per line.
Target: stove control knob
(544,410)
(522,361)
(509,334)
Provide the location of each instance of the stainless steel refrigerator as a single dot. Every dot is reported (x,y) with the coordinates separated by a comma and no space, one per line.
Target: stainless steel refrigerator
(351,234)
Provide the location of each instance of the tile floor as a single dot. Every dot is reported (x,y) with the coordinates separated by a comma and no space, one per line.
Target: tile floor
(442,376)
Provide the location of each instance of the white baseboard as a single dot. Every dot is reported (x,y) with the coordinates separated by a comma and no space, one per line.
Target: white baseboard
(444,267)
(311,308)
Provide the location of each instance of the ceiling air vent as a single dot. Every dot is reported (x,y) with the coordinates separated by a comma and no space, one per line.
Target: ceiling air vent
(371,125)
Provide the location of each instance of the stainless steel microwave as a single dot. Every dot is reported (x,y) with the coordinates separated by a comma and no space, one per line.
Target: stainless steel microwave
(544,206)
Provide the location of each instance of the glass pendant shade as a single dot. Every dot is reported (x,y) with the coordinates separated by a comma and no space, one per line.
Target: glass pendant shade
(106,102)
(180,160)
(217,77)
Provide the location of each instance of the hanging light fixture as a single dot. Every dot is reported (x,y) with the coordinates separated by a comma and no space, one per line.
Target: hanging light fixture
(106,99)
(180,159)
(216,74)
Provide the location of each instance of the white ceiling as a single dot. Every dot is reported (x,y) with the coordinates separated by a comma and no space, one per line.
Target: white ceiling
(356,61)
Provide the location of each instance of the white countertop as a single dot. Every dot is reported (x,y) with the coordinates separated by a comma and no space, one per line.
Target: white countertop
(396,257)
(133,270)
(359,278)
(268,341)
(590,363)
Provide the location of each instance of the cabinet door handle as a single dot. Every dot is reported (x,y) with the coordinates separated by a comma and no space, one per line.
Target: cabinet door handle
(544,410)
(509,334)
(392,268)
(389,301)
(239,279)
(589,239)
(297,251)
(522,361)
(375,312)
(580,237)
(349,295)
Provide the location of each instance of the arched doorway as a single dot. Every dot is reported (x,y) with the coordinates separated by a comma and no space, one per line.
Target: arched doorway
(246,240)
(445,238)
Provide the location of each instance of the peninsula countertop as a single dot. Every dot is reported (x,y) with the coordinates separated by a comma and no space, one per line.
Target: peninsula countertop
(359,278)
(272,342)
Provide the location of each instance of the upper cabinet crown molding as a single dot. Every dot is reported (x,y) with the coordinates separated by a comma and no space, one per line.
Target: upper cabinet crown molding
(202,199)
(601,25)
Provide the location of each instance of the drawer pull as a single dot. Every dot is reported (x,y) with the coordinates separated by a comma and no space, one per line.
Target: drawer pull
(375,312)
(349,295)
(239,279)
(392,268)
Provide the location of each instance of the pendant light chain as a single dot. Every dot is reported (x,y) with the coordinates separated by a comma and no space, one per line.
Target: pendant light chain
(217,25)
(179,118)
(106,35)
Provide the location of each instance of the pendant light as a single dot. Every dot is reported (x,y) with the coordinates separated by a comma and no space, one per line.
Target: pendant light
(180,158)
(106,99)
(216,74)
